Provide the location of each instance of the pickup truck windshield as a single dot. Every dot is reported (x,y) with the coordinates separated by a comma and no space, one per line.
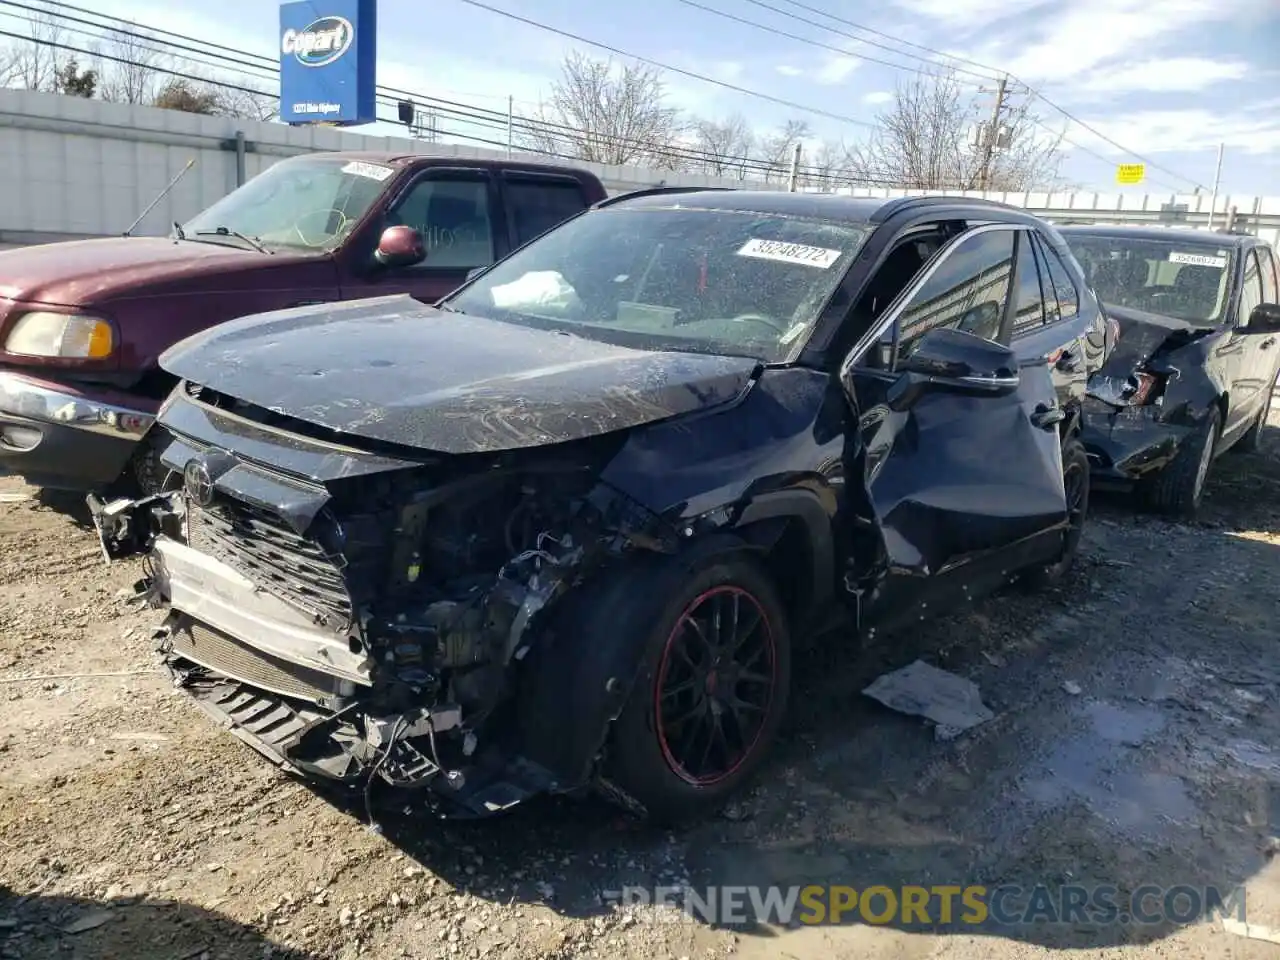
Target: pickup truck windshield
(308,204)
(1186,281)
(700,281)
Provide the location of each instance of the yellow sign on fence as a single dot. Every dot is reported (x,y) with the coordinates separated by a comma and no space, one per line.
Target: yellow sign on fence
(1129,174)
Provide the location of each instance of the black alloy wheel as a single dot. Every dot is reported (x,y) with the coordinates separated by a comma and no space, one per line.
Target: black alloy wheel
(717,678)
(711,690)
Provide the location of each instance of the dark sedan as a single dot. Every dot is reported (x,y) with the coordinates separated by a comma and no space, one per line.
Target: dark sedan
(559,531)
(1196,359)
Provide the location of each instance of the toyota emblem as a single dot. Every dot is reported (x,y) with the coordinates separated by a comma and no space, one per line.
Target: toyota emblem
(199,485)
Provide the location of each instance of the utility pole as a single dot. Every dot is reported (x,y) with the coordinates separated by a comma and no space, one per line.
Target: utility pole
(793,179)
(1217,180)
(511,110)
(992,132)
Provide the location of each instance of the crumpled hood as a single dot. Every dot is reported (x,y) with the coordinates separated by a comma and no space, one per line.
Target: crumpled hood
(81,272)
(392,370)
(1142,334)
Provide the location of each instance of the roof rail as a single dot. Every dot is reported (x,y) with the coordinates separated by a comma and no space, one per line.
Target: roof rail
(652,191)
(892,206)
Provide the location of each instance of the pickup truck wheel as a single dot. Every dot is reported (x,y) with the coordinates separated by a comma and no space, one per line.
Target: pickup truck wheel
(710,694)
(1178,489)
(1075,484)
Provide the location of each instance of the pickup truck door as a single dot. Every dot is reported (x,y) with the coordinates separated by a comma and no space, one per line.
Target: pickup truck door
(964,489)
(458,211)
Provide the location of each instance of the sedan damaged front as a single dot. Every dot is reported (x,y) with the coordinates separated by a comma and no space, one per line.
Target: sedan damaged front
(418,543)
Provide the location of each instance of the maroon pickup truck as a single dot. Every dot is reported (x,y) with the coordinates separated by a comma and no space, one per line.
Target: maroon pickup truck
(82,324)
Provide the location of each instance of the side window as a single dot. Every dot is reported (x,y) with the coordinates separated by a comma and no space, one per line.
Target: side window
(1060,289)
(537,205)
(1029,305)
(968,291)
(453,218)
(1251,293)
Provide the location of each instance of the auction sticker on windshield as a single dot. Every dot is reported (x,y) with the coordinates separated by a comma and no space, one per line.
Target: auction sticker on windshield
(808,256)
(1198,260)
(373,171)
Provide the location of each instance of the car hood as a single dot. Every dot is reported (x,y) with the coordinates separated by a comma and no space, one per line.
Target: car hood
(1142,335)
(81,272)
(392,370)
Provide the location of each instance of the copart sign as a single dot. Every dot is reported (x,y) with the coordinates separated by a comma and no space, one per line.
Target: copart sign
(328,54)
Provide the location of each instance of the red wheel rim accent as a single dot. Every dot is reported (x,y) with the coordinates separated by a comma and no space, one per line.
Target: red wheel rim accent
(715,685)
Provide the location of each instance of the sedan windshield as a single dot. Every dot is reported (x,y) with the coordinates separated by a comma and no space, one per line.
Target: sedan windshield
(306,204)
(1187,281)
(701,281)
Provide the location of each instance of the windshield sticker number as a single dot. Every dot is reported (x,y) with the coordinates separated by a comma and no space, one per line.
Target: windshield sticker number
(819,257)
(373,171)
(1199,260)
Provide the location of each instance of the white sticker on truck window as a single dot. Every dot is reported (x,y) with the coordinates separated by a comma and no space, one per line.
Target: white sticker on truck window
(1199,260)
(819,257)
(373,171)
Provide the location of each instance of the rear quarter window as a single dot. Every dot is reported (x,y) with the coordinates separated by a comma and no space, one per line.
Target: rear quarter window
(538,204)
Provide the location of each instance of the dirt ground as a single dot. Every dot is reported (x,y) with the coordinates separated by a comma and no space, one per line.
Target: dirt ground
(1136,740)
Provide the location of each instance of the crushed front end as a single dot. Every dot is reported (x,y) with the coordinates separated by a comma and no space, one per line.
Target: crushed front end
(355,614)
(1154,392)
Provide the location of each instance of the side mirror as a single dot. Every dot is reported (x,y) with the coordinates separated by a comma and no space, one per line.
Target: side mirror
(1265,318)
(400,246)
(951,361)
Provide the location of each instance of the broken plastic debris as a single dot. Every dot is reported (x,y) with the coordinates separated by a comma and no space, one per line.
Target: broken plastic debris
(90,921)
(1072,687)
(953,703)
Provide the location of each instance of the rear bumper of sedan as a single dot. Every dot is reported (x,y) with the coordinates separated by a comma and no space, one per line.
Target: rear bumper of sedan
(66,436)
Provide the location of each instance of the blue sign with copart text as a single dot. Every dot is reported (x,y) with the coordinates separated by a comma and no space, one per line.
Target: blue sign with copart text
(328,54)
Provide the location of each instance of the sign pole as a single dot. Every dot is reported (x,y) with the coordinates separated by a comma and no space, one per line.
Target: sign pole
(1217,178)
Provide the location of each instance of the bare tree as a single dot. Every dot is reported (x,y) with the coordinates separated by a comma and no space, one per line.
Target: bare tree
(8,66)
(724,145)
(923,141)
(132,66)
(251,105)
(777,149)
(607,114)
(33,64)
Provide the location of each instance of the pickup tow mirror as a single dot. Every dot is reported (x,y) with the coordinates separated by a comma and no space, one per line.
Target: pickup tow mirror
(1265,318)
(951,361)
(400,246)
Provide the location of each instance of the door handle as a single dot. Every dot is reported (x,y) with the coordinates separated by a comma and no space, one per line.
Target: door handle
(1268,343)
(1047,418)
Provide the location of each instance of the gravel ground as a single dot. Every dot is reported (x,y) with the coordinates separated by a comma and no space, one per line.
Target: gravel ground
(1134,741)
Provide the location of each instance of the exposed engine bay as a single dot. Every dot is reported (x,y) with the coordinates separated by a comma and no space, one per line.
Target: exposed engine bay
(376,626)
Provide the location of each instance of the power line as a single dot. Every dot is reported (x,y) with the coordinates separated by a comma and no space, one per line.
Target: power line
(992,71)
(1030,89)
(815,43)
(665,66)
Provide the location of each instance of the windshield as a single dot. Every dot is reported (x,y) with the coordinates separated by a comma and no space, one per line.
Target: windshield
(1187,281)
(307,204)
(700,281)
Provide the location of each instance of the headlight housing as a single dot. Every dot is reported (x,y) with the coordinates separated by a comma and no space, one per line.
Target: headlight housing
(71,336)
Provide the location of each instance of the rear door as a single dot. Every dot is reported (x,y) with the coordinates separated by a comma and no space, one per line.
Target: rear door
(536,202)
(458,212)
(964,488)
(1265,347)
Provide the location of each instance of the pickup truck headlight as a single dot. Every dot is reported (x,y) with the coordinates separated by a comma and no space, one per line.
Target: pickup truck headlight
(68,336)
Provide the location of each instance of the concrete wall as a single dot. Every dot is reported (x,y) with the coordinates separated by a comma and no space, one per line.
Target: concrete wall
(73,168)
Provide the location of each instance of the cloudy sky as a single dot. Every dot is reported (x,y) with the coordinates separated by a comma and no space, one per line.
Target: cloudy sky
(1167,80)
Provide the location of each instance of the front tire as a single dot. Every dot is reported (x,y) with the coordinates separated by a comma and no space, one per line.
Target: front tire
(710,694)
(1178,489)
(1075,483)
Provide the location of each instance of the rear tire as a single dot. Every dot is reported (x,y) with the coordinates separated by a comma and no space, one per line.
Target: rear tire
(1075,482)
(1251,442)
(710,694)
(1178,489)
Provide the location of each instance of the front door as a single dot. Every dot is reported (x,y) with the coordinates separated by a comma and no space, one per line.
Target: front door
(963,488)
(457,212)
